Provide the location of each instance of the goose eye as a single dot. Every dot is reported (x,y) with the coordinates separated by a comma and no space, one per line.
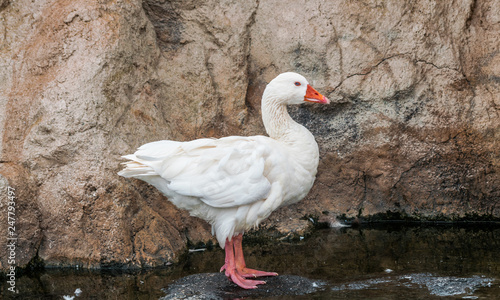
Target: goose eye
(297,83)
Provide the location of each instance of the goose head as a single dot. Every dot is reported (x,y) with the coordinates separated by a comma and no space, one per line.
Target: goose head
(292,88)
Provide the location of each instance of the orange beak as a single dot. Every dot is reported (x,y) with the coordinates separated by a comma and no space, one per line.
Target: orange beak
(313,96)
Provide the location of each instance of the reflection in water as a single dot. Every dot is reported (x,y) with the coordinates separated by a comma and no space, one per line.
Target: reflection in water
(436,285)
(375,262)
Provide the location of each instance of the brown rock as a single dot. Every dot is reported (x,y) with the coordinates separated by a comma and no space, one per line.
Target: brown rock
(414,128)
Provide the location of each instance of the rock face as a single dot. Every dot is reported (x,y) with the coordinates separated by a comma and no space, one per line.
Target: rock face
(413,130)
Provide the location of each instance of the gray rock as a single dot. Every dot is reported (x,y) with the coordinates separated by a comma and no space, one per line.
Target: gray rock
(214,286)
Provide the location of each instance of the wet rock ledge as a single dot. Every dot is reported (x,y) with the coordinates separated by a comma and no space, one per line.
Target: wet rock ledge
(215,286)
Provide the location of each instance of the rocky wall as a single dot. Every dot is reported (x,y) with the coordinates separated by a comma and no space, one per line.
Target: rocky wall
(413,129)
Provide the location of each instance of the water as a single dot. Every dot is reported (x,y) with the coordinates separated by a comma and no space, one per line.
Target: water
(389,262)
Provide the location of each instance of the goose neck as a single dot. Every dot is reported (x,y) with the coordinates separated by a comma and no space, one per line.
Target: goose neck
(276,119)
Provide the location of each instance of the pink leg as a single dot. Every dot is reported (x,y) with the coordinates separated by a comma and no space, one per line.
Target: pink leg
(231,272)
(240,261)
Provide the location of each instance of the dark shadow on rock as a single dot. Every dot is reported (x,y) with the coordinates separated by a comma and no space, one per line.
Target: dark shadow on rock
(216,286)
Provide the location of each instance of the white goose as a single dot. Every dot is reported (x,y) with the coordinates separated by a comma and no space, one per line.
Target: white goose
(235,182)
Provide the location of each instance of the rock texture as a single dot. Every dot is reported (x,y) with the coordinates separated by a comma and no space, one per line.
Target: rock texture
(215,286)
(413,130)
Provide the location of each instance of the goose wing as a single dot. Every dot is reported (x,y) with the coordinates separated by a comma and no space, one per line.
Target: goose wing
(226,172)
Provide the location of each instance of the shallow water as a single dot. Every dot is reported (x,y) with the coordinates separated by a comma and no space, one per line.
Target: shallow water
(385,262)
